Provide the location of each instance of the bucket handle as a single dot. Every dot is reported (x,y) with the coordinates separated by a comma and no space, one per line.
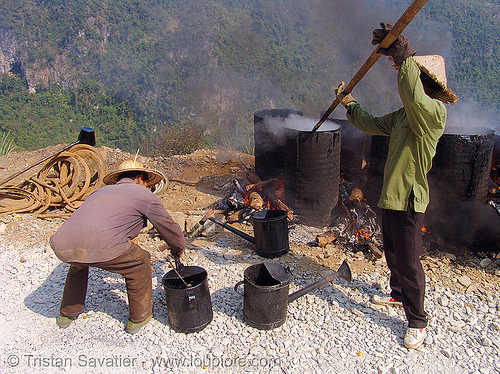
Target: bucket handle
(236,287)
(191,297)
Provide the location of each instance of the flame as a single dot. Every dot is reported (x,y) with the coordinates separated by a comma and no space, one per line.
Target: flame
(495,173)
(261,192)
(280,188)
(362,234)
(424,229)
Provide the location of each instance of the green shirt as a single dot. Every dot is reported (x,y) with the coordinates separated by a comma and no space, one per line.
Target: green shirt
(414,132)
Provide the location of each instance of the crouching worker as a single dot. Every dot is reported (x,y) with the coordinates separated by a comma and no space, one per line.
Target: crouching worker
(99,234)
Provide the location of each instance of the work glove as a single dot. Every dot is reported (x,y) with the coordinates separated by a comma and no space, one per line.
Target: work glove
(344,99)
(399,50)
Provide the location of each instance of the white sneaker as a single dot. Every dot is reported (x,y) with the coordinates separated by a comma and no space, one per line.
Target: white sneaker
(414,338)
(385,300)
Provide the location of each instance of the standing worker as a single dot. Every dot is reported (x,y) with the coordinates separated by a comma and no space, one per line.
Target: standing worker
(414,131)
(99,234)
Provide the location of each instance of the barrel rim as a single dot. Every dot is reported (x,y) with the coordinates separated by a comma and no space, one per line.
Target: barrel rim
(328,126)
(468,131)
(201,271)
(276,113)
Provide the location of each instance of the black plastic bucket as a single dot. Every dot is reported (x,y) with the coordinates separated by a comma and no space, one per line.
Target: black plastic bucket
(189,307)
(270,229)
(265,297)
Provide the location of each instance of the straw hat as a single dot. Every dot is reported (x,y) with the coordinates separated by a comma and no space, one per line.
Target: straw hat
(433,66)
(154,176)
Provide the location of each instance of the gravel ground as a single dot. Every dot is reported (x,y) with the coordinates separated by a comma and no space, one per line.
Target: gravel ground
(332,330)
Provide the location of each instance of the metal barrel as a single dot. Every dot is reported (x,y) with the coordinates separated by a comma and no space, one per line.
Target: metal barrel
(312,173)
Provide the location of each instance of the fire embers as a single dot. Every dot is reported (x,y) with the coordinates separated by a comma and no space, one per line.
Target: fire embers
(354,223)
(253,196)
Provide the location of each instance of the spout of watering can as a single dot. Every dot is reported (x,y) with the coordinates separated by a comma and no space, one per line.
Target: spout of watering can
(343,272)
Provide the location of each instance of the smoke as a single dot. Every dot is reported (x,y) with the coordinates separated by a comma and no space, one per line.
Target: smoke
(345,36)
(468,113)
(279,125)
(300,123)
(341,33)
(429,37)
(336,41)
(377,91)
(342,45)
(275,129)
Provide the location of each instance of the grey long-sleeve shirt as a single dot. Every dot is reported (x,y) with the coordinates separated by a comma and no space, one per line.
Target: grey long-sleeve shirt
(102,228)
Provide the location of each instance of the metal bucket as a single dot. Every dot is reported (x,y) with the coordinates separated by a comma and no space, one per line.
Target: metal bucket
(87,136)
(265,297)
(270,229)
(189,307)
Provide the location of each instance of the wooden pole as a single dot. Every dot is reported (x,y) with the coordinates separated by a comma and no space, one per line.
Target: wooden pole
(397,29)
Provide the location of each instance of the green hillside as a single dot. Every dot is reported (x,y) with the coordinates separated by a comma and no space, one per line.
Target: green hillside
(171,76)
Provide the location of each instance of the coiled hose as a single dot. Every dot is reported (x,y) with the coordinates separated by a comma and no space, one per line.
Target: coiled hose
(60,187)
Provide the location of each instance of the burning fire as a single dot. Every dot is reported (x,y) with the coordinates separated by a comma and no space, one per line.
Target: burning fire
(362,234)
(280,188)
(277,187)
(354,220)
(495,173)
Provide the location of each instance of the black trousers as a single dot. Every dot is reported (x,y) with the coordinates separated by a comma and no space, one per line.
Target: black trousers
(402,237)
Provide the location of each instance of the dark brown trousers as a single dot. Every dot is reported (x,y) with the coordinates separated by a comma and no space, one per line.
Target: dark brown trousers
(402,237)
(135,267)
